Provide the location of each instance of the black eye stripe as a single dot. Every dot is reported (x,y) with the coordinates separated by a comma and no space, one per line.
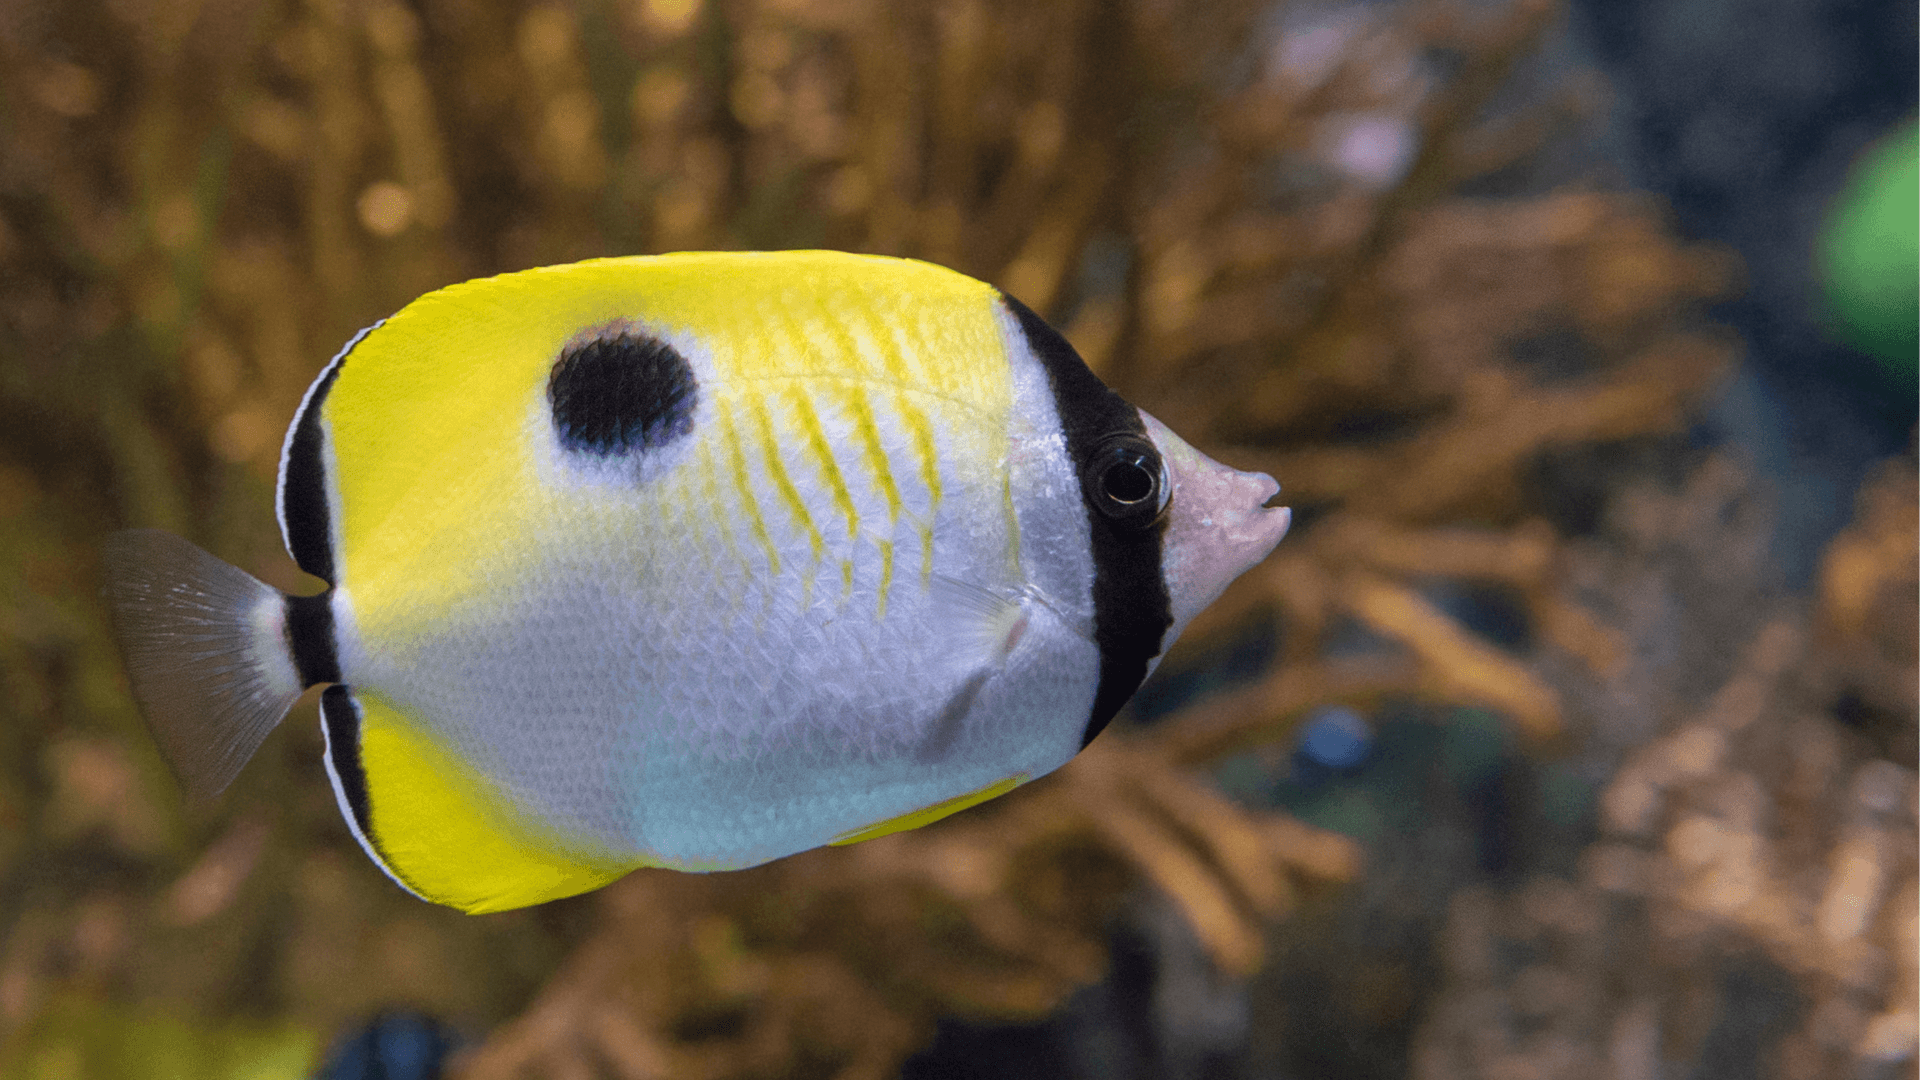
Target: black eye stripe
(1131,608)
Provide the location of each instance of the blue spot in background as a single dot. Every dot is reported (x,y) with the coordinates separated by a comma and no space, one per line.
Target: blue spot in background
(391,1046)
(1336,737)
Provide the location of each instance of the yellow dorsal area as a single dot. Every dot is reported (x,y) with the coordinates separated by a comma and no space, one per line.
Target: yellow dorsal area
(435,418)
(446,831)
(927,815)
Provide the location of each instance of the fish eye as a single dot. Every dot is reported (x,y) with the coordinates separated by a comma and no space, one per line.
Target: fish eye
(1126,482)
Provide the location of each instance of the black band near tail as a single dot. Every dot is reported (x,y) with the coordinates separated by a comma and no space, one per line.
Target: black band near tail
(1131,608)
(303,486)
(340,716)
(304,512)
(310,637)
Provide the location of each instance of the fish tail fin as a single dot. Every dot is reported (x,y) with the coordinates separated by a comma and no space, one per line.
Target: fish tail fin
(206,650)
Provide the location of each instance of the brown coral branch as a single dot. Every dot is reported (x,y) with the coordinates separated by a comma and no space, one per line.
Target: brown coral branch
(1455,665)
(1267,711)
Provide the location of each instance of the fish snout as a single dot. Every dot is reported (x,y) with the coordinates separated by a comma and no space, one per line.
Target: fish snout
(1218,524)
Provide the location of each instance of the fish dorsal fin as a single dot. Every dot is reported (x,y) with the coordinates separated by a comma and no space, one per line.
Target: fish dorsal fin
(436,825)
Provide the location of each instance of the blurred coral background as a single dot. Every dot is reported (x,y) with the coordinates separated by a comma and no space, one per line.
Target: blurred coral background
(1571,733)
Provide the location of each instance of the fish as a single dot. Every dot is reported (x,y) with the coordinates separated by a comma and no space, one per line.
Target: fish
(690,561)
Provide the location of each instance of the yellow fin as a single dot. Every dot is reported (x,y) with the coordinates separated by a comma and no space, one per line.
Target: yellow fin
(927,815)
(449,835)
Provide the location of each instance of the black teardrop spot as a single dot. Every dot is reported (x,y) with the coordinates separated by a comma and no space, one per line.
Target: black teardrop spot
(621,391)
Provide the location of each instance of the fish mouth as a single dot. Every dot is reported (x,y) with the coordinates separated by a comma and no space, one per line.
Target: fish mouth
(1271,492)
(1268,526)
(1241,544)
(1260,524)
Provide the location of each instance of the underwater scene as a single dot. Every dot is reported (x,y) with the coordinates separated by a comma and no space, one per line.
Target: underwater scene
(1569,731)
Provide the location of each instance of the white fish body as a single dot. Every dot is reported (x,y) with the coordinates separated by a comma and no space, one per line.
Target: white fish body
(695,561)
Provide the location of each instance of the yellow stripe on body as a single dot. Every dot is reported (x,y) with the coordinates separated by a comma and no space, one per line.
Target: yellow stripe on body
(743,484)
(922,369)
(921,431)
(782,483)
(451,834)
(926,359)
(863,346)
(874,455)
(893,364)
(927,815)
(815,438)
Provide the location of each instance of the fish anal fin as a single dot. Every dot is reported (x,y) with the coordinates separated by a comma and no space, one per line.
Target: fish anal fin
(450,835)
(927,815)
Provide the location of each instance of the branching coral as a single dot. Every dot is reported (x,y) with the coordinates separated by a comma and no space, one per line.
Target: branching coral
(1249,222)
(840,960)
(1752,897)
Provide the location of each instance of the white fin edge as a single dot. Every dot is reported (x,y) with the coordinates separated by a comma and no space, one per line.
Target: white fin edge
(286,441)
(206,650)
(340,792)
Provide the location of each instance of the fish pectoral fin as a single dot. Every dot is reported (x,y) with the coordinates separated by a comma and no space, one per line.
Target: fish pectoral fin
(945,728)
(984,625)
